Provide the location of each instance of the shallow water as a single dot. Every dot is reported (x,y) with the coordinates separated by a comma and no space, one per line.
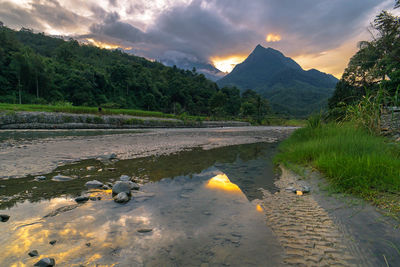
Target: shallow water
(201,208)
(28,135)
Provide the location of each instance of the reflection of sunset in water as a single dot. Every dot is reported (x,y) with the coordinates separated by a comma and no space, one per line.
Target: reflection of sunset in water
(259,208)
(222,182)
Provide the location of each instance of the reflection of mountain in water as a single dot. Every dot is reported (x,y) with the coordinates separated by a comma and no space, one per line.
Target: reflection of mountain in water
(248,166)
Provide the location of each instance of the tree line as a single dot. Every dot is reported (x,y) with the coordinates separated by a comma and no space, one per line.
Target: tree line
(39,69)
(375,66)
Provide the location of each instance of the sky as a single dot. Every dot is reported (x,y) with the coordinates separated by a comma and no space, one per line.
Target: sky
(320,34)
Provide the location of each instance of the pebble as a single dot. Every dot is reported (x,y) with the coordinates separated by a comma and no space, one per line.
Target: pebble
(53,242)
(144,230)
(33,253)
(94,184)
(81,199)
(121,198)
(61,178)
(40,178)
(4,217)
(90,168)
(45,262)
(125,178)
(122,187)
(88,244)
(112,156)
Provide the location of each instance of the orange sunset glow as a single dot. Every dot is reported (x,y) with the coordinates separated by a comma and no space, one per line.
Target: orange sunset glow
(226,64)
(272,38)
(105,45)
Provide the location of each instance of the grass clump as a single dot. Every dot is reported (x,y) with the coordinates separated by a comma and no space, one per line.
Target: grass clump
(353,160)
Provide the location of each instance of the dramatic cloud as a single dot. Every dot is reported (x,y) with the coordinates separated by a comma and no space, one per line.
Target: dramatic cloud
(318,33)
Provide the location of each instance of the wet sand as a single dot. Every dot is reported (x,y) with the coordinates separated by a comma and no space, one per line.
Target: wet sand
(321,229)
(22,158)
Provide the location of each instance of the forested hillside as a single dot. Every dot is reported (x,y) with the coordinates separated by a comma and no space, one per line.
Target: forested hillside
(40,69)
(289,88)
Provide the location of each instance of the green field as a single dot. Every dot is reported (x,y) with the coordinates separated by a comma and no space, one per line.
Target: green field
(353,160)
(83,110)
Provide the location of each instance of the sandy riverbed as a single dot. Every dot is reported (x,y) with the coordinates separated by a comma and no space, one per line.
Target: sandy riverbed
(22,158)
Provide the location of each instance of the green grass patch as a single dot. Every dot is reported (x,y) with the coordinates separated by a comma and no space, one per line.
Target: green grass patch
(82,110)
(353,160)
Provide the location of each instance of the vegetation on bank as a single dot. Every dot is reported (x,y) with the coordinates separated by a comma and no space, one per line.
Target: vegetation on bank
(39,69)
(83,110)
(345,143)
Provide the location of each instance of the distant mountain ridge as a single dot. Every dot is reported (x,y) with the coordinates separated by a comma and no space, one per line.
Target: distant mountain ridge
(289,88)
(209,71)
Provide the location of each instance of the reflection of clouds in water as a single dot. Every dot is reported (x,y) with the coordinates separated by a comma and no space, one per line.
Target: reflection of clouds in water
(191,222)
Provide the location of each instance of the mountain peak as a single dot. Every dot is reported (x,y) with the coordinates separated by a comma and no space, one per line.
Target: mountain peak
(277,77)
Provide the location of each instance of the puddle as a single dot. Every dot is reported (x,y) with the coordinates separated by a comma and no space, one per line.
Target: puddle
(200,209)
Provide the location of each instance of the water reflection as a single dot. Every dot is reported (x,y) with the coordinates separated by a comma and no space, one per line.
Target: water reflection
(248,166)
(198,213)
(203,219)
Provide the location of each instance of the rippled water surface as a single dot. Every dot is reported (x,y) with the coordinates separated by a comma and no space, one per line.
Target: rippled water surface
(198,208)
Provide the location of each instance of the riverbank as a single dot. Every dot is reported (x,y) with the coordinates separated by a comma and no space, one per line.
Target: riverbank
(321,228)
(60,120)
(353,160)
(24,157)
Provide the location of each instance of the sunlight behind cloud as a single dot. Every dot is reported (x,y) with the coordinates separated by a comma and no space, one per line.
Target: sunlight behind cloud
(226,64)
(105,45)
(272,38)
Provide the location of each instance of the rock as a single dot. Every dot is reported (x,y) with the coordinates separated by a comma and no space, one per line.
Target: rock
(100,170)
(4,217)
(111,169)
(94,184)
(291,189)
(81,199)
(105,187)
(61,178)
(134,186)
(45,262)
(33,253)
(93,198)
(88,244)
(122,187)
(125,178)
(53,242)
(121,197)
(305,189)
(112,156)
(2,186)
(40,178)
(90,168)
(144,230)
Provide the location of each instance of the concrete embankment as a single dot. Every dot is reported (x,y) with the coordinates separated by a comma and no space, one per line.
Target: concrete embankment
(50,120)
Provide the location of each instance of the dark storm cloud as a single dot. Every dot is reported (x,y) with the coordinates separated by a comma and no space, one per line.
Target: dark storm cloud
(315,25)
(113,27)
(211,27)
(206,28)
